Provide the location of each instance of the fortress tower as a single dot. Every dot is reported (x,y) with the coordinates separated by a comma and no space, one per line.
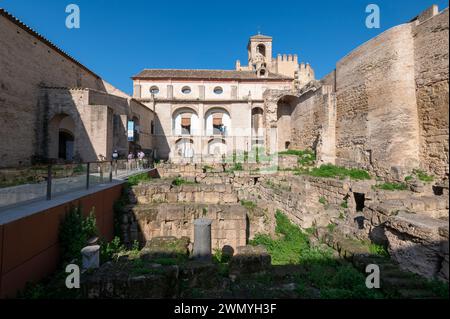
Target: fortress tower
(260,60)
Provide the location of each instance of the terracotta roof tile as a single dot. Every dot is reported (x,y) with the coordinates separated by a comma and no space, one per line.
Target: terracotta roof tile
(205,74)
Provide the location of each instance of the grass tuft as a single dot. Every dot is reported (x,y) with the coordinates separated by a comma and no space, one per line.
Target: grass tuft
(329,170)
(392,186)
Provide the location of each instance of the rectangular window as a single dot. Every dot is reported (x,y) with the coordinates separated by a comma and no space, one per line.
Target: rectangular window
(130,131)
(186,125)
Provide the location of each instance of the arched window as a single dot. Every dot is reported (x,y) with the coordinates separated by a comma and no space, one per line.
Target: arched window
(184,147)
(261,48)
(185,122)
(217,147)
(217,122)
(218,90)
(186,90)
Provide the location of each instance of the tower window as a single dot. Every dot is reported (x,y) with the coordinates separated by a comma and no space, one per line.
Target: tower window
(186,90)
(154,89)
(218,90)
(261,48)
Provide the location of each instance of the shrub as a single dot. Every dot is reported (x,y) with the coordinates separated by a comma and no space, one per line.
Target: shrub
(287,250)
(323,201)
(379,250)
(109,250)
(237,167)
(248,204)
(138,178)
(423,176)
(180,181)
(75,230)
(331,227)
(344,204)
(305,157)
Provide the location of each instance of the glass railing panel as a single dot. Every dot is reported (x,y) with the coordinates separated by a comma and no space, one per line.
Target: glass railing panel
(99,173)
(67,178)
(18,185)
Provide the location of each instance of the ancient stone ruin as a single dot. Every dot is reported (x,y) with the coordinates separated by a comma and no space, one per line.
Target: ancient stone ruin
(347,215)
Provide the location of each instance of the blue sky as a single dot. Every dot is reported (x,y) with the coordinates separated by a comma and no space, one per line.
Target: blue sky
(119,38)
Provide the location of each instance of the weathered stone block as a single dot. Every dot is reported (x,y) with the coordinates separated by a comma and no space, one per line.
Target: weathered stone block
(250,259)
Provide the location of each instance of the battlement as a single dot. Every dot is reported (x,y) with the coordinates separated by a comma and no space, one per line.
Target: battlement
(287,58)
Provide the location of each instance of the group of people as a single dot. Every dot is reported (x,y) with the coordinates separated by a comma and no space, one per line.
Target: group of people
(137,158)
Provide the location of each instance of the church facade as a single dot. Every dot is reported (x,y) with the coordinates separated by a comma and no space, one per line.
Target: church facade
(208,115)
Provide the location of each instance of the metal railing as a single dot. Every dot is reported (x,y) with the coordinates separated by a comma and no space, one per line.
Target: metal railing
(44,182)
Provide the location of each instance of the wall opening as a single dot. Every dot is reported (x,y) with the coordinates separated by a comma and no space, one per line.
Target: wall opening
(359,200)
(438,190)
(65,145)
(261,48)
(61,131)
(285,108)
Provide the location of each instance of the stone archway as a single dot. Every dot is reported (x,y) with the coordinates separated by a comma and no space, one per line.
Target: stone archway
(278,107)
(285,106)
(62,141)
(184,148)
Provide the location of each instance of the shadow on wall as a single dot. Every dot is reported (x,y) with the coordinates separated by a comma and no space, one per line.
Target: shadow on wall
(62,134)
(70,128)
(161,147)
(285,107)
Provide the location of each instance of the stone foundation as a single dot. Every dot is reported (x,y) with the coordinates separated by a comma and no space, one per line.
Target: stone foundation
(412,224)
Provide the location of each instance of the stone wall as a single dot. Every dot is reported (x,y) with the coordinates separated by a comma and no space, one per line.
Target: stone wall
(391,103)
(376,120)
(228,228)
(412,223)
(162,191)
(313,122)
(307,200)
(431,76)
(99,119)
(29,62)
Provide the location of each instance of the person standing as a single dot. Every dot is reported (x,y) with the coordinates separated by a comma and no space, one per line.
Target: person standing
(130,160)
(141,156)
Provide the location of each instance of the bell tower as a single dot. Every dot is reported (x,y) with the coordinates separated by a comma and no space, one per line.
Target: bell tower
(260,54)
